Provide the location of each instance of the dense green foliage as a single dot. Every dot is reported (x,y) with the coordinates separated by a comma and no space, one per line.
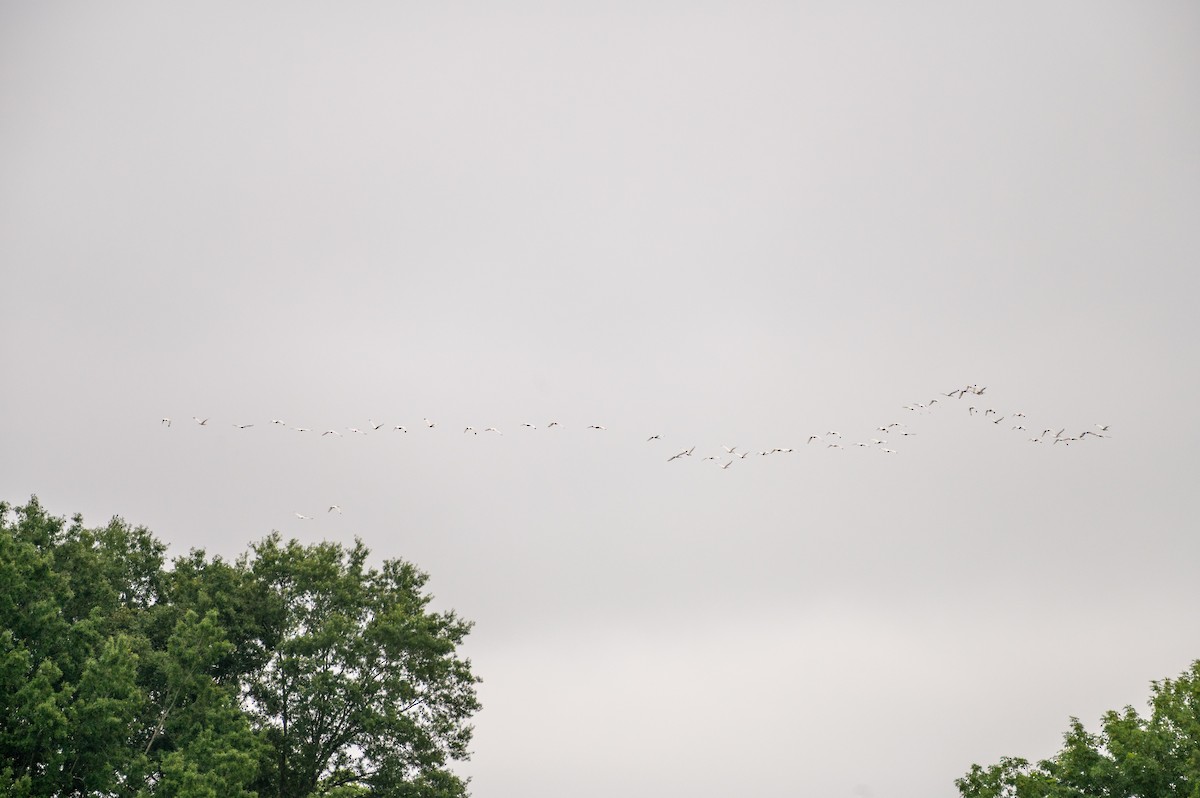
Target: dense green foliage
(294,671)
(1131,756)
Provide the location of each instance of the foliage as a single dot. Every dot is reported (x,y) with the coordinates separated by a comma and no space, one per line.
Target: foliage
(362,686)
(294,671)
(1131,756)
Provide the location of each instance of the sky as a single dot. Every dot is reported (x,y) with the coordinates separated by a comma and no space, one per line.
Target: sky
(727,224)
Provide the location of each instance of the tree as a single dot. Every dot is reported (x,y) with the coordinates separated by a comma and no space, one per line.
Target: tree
(293,671)
(1131,756)
(363,686)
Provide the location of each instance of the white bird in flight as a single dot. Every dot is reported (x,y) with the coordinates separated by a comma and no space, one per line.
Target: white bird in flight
(430,424)
(243,426)
(303,517)
(333,507)
(684,453)
(200,421)
(166,421)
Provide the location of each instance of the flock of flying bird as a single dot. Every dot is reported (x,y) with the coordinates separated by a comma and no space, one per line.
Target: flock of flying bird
(976,407)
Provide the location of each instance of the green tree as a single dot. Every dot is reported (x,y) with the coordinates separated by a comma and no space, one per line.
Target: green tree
(363,686)
(1131,756)
(293,671)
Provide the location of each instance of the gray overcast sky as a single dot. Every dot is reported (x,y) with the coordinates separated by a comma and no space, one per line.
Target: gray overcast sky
(729,224)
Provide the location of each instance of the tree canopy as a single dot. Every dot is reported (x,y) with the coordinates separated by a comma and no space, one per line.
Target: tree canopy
(293,671)
(1131,756)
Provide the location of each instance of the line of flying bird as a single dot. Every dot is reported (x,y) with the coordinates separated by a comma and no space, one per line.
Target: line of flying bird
(831,439)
